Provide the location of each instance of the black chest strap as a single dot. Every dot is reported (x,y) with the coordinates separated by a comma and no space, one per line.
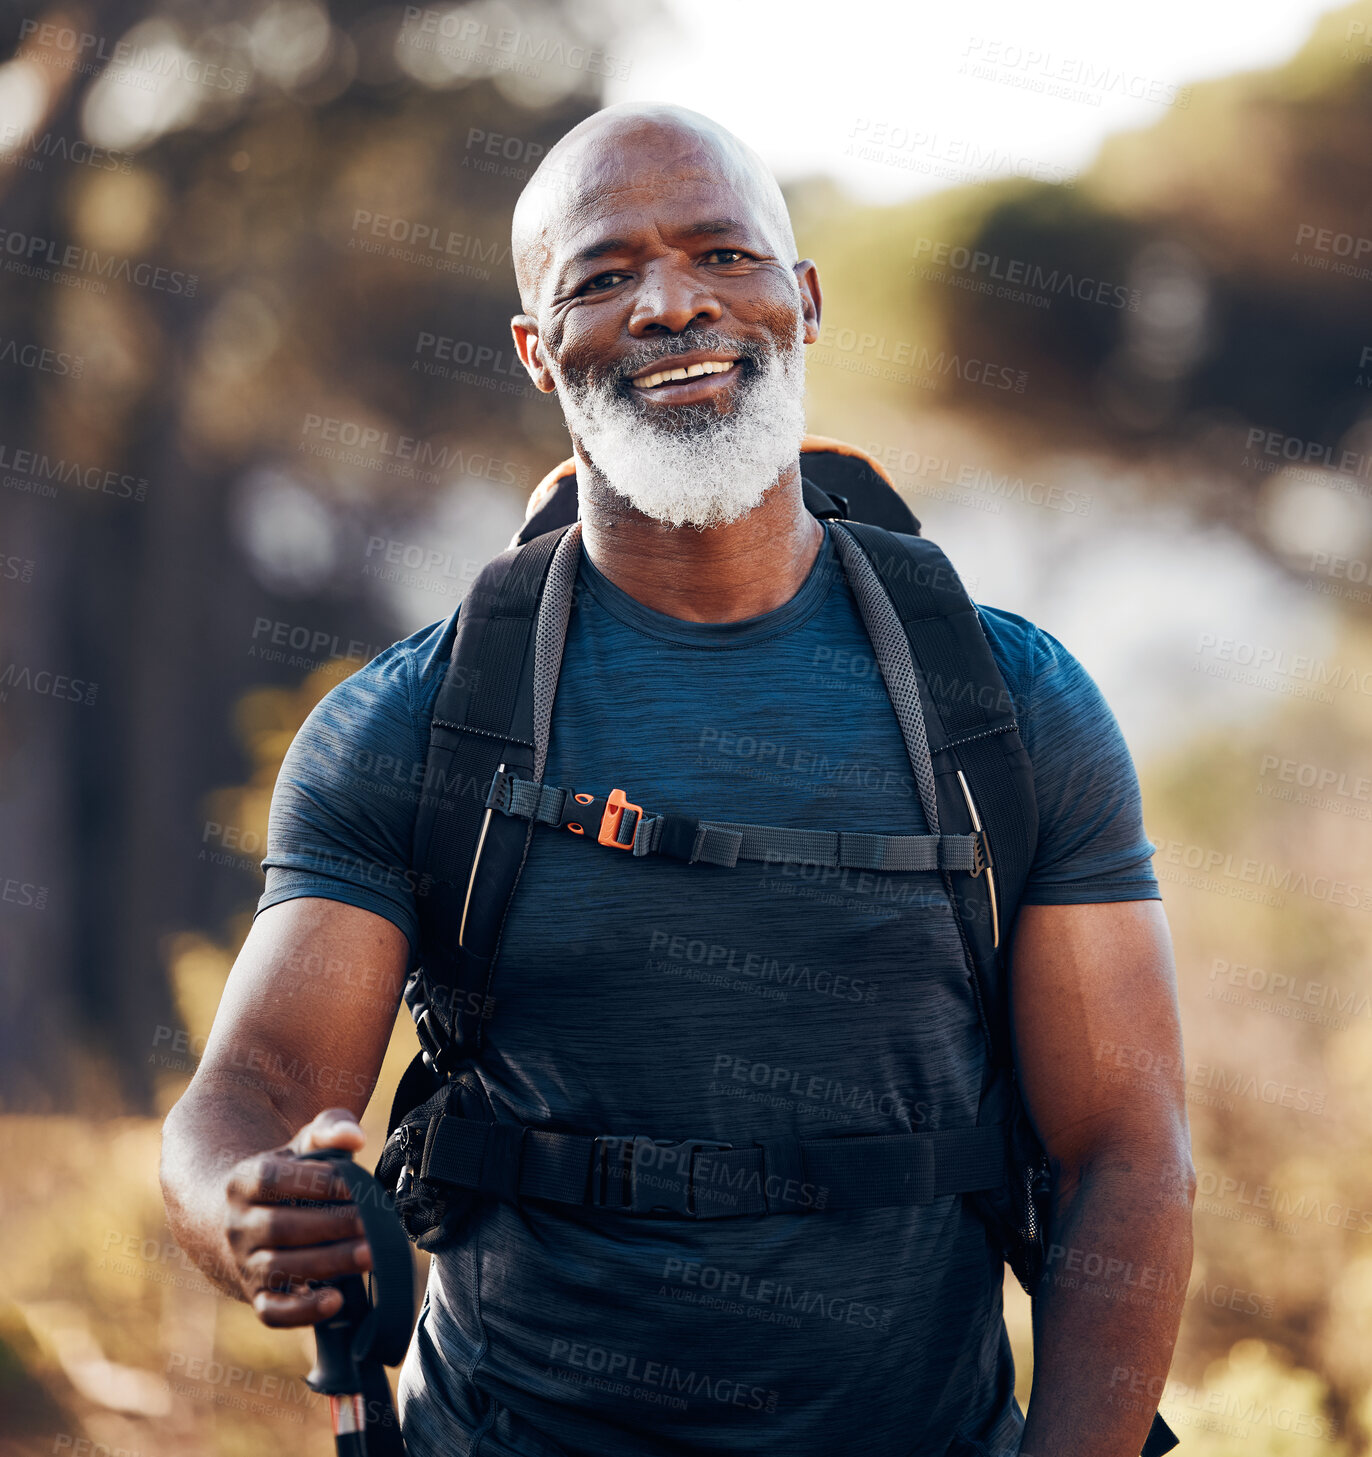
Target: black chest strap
(616,823)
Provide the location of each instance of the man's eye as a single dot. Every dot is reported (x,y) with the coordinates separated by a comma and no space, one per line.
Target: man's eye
(601,281)
(737,253)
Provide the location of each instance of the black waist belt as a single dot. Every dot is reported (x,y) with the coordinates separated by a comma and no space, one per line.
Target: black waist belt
(699,1178)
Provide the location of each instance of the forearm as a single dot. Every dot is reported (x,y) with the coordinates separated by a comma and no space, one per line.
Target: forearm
(1109,1306)
(211,1128)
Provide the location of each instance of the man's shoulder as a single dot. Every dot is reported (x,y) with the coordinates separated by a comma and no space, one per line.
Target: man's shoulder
(1015,644)
(1055,697)
(404,678)
(427,653)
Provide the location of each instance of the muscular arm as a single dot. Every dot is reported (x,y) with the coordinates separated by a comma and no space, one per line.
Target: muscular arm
(1100,1059)
(301,1030)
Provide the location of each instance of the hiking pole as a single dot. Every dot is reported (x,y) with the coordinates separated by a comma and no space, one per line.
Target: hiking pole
(369,1331)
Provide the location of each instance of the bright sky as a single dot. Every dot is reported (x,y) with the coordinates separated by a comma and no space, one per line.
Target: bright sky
(947,92)
(942,94)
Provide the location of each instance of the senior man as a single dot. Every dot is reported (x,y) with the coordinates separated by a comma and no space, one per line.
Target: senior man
(664,303)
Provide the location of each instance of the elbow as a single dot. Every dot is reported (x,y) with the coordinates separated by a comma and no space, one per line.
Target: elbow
(1151,1164)
(171,1165)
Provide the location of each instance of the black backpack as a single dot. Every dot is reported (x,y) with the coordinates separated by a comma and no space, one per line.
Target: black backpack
(482,800)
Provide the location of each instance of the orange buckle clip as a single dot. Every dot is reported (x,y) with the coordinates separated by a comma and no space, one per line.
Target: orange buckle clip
(615,806)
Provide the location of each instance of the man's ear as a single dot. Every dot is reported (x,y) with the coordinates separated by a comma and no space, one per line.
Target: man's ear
(524,328)
(811,300)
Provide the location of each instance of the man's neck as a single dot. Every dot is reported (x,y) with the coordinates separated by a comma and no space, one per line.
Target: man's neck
(719,574)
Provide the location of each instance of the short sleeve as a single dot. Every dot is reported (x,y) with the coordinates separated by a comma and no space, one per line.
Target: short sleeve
(1091,842)
(341,824)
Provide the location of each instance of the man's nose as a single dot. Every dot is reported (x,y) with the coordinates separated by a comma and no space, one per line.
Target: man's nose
(672,299)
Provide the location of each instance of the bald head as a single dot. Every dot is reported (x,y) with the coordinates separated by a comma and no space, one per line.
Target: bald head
(623,159)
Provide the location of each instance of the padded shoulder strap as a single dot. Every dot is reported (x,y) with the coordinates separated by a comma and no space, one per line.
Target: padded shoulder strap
(968,718)
(492,710)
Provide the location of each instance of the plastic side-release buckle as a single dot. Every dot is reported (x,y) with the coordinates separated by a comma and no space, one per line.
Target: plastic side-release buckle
(615,806)
(438,1050)
(645,1175)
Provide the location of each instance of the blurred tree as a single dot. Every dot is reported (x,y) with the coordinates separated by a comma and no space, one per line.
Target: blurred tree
(1198,301)
(269,242)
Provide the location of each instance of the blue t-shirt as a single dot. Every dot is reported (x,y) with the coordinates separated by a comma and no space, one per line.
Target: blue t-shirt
(647,995)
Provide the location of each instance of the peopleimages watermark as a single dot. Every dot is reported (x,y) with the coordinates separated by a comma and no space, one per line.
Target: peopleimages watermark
(23,893)
(862,892)
(40,358)
(1284,995)
(1227,1413)
(25,150)
(777,1302)
(162,1262)
(310,647)
(466,361)
(87,1447)
(227,1384)
(429,244)
(1112,1277)
(85,53)
(1066,78)
(1316,786)
(627,1374)
(937,154)
(857,666)
(666,1166)
(175,1050)
(17,569)
(1357,42)
(1020,280)
(1072,1267)
(412,564)
(1343,576)
(929,472)
(35,256)
(44,683)
(862,352)
(1265,666)
(682,956)
(238,846)
(365,974)
(501,154)
(815,771)
(1144,1068)
(346,441)
(1275,451)
(1248,878)
(1333,252)
(36,472)
(1335,575)
(783,1086)
(1226,1196)
(460,34)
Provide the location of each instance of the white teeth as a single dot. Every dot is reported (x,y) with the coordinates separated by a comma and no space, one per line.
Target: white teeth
(693,371)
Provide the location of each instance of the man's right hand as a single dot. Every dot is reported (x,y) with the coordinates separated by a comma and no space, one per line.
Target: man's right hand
(291,1220)
(318,982)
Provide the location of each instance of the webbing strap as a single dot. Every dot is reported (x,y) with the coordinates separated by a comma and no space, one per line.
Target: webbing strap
(726,842)
(705,1179)
(892,648)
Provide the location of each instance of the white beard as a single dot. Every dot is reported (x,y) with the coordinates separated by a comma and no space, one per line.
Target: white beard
(695,470)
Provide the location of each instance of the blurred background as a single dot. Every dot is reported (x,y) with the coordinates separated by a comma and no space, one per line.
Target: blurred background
(1098,293)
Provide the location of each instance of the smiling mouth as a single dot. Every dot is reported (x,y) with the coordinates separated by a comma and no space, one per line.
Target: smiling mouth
(676,374)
